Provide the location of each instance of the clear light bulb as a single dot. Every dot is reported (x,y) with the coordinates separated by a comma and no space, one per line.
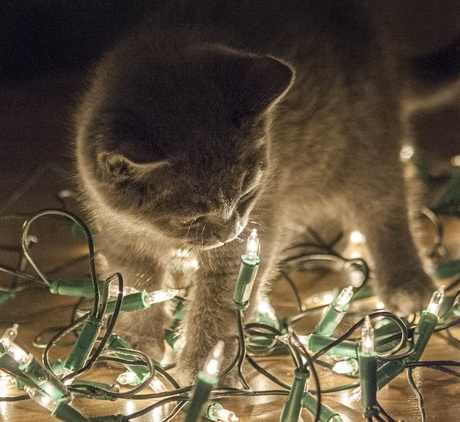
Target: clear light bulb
(252,247)
(157,385)
(348,367)
(266,310)
(214,360)
(303,339)
(223,415)
(130,378)
(406,153)
(17,353)
(436,301)
(343,299)
(9,335)
(161,296)
(41,398)
(127,378)
(367,337)
(355,395)
(127,290)
(6,382)
(357,237)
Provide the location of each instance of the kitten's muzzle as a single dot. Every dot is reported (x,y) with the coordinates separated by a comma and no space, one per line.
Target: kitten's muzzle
(213,231)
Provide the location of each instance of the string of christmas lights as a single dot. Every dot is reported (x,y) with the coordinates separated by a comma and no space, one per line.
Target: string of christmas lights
(388,346)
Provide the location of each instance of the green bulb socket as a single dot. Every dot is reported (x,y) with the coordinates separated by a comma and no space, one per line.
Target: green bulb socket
(205,384)
(363,292)
(67,413)
(346,348)
(130,303)
(386,327)
(293,406)
(422,334)
(245,282)
(330,320)
(388,371)
(368,380)
(84,344)
(326,415)
(208,413)
(79,288)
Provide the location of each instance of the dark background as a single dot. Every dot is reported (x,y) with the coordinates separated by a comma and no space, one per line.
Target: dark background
(47,46)
(50,35)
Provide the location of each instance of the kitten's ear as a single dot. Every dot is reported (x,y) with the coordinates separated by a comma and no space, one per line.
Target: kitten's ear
(254,83)
(120,168)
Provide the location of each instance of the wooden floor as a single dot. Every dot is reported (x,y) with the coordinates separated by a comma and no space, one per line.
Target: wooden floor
(42,139)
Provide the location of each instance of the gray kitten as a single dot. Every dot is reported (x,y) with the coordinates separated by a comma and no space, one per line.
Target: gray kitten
(217,117)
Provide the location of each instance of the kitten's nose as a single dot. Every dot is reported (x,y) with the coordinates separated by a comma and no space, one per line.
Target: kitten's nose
(228,230)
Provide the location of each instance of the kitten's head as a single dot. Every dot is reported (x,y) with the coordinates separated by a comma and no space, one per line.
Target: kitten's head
(180,142)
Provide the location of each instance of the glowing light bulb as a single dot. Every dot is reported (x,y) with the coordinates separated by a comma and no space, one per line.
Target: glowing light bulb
(267,313)
(303,339)
(324,298)
(6,382)
(157,385)
(160,296)
(357,237)
(436,301)
(252,247)
(221,414)
(355,395)
(182,262)
(343,299)
(406,153)
(17,353)
(130,378)
(41,398)
(455,160)
(355,276)
(214,360)
(379,305)
(367,337)
(348,367)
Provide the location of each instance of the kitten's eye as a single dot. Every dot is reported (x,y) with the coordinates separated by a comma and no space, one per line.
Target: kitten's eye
(251,181)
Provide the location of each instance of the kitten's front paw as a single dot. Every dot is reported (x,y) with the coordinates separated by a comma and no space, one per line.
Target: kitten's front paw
(409,296)
(190,363)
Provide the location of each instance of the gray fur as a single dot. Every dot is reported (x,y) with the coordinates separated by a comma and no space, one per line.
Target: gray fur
(217,117)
